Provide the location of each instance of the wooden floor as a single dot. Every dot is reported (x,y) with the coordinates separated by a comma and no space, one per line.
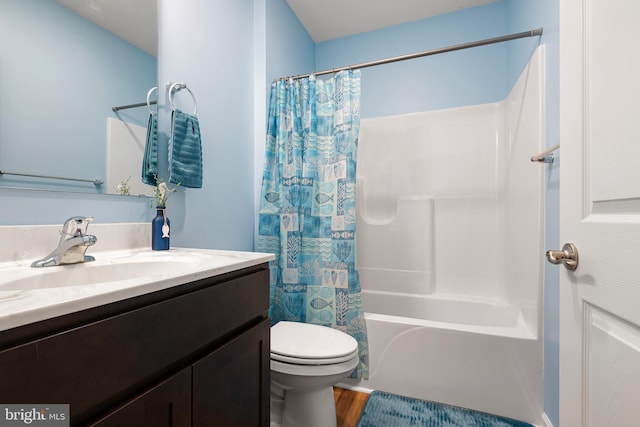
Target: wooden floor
(349,406)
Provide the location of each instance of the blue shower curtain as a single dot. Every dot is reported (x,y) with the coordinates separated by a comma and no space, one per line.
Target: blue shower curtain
(307,206)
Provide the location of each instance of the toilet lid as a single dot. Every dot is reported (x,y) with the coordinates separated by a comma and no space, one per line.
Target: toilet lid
(294,340)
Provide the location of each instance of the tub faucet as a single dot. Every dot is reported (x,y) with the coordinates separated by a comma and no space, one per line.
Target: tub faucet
(72,245)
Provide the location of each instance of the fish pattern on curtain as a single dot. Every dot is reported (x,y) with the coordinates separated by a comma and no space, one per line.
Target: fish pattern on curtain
(307,209)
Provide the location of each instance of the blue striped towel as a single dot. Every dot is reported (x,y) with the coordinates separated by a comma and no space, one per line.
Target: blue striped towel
(185,154)
(150,158)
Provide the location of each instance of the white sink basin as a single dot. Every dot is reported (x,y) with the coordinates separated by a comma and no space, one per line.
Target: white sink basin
(92,274)
(142,266)
(29,294)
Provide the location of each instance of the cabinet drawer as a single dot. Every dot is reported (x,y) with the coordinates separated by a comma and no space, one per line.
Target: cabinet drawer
(95,366)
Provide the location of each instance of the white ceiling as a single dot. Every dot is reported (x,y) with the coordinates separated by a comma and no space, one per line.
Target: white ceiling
(136,20)
(332,19)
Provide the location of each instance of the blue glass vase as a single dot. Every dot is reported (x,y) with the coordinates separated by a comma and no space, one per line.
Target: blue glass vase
(160,228)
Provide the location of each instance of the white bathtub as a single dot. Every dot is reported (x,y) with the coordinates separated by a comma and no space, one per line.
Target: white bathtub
(450,254)
(474,354)
(470,314)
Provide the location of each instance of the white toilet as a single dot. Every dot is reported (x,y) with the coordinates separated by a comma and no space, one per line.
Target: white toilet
(306,362)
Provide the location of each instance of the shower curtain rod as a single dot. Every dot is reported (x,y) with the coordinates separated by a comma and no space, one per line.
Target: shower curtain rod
(530,33)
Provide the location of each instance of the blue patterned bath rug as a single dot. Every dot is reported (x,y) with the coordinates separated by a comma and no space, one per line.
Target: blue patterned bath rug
(390,410)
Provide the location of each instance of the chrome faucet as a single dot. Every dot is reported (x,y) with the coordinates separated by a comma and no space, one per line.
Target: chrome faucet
(72,245)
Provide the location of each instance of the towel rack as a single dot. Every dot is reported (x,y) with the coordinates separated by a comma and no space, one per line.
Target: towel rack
(149,103)
(96,182)
(139,104)
(179,86)
(545,156)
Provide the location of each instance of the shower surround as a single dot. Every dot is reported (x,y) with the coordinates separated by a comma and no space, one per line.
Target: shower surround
(450,226)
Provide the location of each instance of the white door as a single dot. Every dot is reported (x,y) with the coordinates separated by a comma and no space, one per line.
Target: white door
(600,212)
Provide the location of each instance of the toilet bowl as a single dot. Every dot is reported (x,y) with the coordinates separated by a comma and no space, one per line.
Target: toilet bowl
(306,362)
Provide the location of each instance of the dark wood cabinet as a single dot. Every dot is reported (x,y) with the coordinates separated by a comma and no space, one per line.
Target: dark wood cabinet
(195,354)
(231,385)
(166,405)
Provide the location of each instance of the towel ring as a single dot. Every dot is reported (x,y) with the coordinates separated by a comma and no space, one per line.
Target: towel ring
(148,98)
(182,86)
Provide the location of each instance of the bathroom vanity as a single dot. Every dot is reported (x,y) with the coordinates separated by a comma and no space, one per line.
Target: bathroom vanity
(192,350)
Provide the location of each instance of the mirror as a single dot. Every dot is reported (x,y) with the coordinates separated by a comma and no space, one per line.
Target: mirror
(60,76)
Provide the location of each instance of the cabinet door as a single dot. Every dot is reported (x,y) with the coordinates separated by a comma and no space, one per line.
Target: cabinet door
(167,404)
(231,385)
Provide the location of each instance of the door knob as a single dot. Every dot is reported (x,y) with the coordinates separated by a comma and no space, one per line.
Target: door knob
(567,256)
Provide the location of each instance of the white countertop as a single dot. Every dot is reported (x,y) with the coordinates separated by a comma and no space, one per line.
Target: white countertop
(21,303)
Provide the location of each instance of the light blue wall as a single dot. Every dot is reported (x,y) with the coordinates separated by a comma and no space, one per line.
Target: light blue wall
(545,13)
(209,45)
(453,79)
(290,49)
(65,78)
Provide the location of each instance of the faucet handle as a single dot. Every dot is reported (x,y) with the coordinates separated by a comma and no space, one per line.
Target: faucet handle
(76,225)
